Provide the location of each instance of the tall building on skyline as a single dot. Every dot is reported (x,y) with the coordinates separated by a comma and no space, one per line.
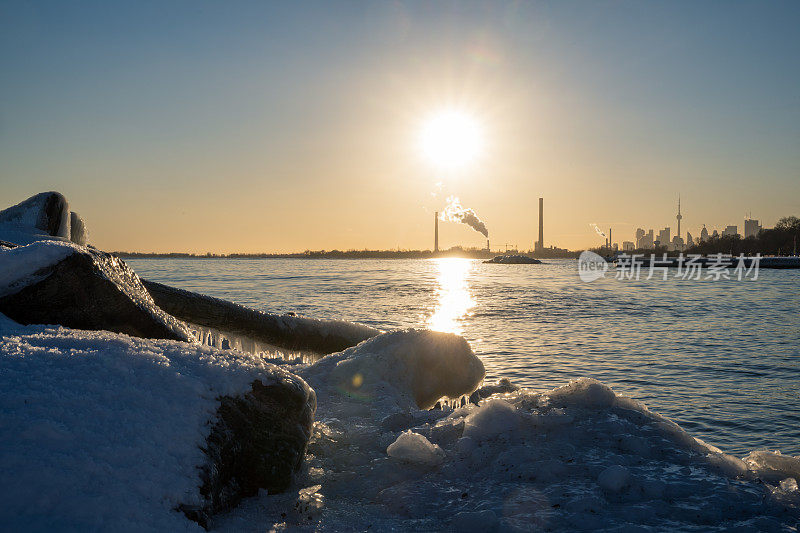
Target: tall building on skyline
(751,228)
(663,236)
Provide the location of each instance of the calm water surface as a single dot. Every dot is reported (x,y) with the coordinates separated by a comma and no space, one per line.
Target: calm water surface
(719,357)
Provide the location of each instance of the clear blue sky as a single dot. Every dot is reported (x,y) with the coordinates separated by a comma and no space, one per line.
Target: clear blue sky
(289,125)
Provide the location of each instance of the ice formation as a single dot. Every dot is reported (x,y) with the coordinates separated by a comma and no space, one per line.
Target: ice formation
(44,216)
(579,457)
(409,368)
(254,330)
(413,448)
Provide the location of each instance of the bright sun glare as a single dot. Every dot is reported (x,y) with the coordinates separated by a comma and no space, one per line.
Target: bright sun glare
(451,139)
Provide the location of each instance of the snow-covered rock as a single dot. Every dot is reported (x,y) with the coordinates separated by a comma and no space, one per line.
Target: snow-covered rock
(44,216)
(101,431)
(52,282)
(257,442)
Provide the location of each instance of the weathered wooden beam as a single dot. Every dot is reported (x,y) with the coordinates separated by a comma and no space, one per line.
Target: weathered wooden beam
(288,332)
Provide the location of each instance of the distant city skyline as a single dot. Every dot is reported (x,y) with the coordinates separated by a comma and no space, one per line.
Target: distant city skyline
(645,239)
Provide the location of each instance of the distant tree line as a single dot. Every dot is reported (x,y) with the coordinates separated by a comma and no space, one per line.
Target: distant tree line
(780,240)
(456,251)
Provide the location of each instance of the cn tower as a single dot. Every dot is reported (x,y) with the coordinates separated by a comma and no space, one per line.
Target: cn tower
(679,217)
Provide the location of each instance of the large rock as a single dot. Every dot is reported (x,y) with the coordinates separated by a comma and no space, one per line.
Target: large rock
(82,288)
(101,430)
(258,441)
(42,216)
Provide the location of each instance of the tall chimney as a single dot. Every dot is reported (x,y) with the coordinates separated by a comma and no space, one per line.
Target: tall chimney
(436,231)
(487,246)
(610,242)
(541,224)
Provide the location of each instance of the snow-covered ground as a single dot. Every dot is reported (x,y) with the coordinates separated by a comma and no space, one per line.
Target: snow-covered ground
(101,431)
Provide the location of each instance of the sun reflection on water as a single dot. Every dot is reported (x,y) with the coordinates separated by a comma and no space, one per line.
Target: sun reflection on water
(452,294)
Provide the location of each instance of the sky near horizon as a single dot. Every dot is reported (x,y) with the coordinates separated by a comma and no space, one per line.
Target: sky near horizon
(285,126)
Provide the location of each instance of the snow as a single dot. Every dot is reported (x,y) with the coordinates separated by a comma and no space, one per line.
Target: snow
(413,448)
(103,431)
(614,478)
(495,418)
(474,522)
(18,266)
(25,214)
(22,223)
(578,457)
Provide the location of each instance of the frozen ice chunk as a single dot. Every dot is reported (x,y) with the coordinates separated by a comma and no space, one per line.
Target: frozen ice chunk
(77,229)
(493,418)
(401,368)
(773,467)
(583,392)
(413,448)
(614,478)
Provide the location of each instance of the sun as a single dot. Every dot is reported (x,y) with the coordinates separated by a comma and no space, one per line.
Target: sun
(451,139)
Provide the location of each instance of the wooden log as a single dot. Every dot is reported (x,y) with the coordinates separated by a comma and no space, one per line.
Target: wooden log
(289,332)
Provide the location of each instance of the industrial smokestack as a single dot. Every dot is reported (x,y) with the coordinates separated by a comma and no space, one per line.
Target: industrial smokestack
(540,243)
(487,246)
(436,231)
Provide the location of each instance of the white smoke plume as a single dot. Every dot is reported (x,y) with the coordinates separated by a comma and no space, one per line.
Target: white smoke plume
(455,212)
(597,229)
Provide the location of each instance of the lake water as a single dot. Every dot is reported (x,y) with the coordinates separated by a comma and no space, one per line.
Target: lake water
(721,358)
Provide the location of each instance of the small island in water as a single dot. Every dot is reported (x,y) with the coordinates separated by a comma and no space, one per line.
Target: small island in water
(513,260)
